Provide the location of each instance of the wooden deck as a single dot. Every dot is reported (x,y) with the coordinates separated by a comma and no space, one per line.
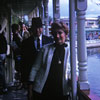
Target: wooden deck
(87,95)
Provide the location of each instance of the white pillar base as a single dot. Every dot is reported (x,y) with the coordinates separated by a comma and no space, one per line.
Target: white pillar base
(84,85)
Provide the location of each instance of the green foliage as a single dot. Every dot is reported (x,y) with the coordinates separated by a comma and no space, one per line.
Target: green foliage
(15,19)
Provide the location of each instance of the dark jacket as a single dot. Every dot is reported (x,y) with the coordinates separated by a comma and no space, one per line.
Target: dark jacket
(29,54)
(17,45)
(3,44)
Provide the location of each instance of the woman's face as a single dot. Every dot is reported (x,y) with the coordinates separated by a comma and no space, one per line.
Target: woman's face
(59,36)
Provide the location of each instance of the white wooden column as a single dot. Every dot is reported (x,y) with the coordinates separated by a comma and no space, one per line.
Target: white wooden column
(81,45)
(41,11)
(56,10)
(46,18)
(72,48)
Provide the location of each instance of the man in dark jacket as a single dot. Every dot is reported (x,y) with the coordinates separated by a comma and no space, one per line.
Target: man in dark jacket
(31,47)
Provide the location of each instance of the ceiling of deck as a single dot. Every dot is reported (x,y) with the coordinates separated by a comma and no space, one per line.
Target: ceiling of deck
(21,7)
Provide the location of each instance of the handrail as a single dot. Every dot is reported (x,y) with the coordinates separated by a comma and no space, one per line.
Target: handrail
(82,95)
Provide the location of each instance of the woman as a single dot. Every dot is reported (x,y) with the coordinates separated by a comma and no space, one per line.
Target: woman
(16,47)
(48,74)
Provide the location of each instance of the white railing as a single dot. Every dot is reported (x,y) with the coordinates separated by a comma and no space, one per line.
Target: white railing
(93,41)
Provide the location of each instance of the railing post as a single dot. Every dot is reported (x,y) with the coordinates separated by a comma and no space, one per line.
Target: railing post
(81,44)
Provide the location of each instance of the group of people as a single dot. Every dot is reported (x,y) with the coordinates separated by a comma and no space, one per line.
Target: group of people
(17,38)
(25,46)
(42,61)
